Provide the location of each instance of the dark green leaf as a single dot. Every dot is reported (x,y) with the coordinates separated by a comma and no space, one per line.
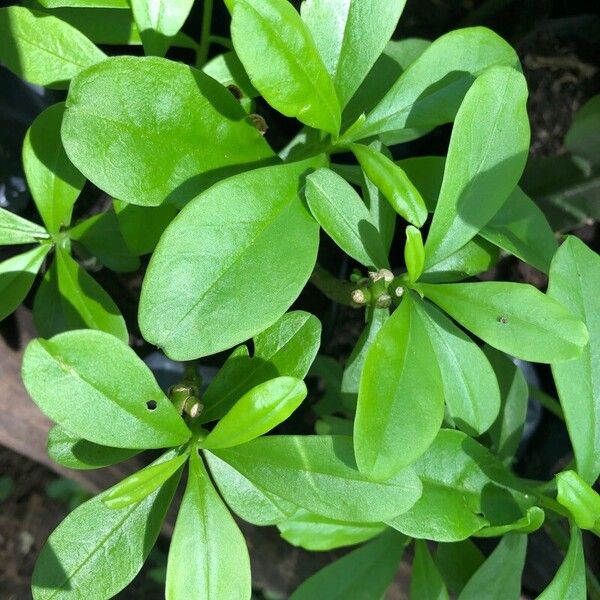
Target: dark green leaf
(513,317)
(43,49)
(216,297)
(163,115)
(208,557)
(426,582)
(318,473)
(95,386)
(53,181)
(582,138)
(457,561)
(401,398)
(283,63)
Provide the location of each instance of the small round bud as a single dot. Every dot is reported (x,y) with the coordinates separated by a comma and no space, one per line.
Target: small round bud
(375,276)
(384,301)
(359,297)
(399,292)
(388,276)
(258,122)
(196,409)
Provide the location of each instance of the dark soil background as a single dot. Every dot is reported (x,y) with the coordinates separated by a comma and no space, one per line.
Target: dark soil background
(559,48)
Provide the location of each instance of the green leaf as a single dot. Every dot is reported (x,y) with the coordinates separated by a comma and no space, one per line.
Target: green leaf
(576,495)
(85,3)
(317,534)
(575,283)
(426,582)
(208,557)
(393,182)
(96,550)
(164,115)
(142,226)
(485,160)
(245,499)
(414,253)
(69,298)
(74,452)
(53,181)
(101,236)
(431,90)
(513,317)
(531,521)
(343,215)
(217,297)
(355,364)
(364,573)
(470,388)
(569,582)
(257,412)
(159,20)
(506,432)
(475,257)
(17,230)
(521,228)
(16,278)
(140,485)
(350,36)
(228,70)
(96,386)
(43,49)
(318,473)
(457,561)
(582,137)
(401,398)
(499,577)
(465,488)
(283,63)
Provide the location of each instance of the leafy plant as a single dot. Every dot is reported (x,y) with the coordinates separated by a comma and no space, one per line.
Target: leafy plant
(417,434)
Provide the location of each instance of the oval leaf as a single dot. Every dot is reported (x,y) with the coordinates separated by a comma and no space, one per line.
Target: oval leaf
(580,499)
(414,253)
(513,317)
(283,63)
(17,230)
(426,582)
(400,399)
(217,297)
(96,386)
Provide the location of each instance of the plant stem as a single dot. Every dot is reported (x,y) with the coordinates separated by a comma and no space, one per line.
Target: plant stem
(222,41)
(547,402)
(202,55)
(335,289)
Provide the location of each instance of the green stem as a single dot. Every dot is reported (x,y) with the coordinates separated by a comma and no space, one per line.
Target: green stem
(335,289)
(548,402)
(202,55)
(222,41)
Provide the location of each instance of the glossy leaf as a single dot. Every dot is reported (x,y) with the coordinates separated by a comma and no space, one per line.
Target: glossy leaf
(43,49)
(101,235)
(85,3)
(140,485)
(506,432)
(249,502)
(318,473)
(159,20)
(283,63)
(142,130)
(228,70)
(343,215)
(414,253)
(257,412)
(184,307)
(485,160)
(317,534)
(393,182)
(53,181)
(575,283)
(350,36)
(95,386)
(69,298)
(513,317)
(17,230)
(580,499)
(431,90)
(288,347)
(499,577)
(569,582)
(364,573)
(401,398)
(206,537)
(74,452)
(426,582)
(470,388)
(465,488)
(16,278)
(100,549)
